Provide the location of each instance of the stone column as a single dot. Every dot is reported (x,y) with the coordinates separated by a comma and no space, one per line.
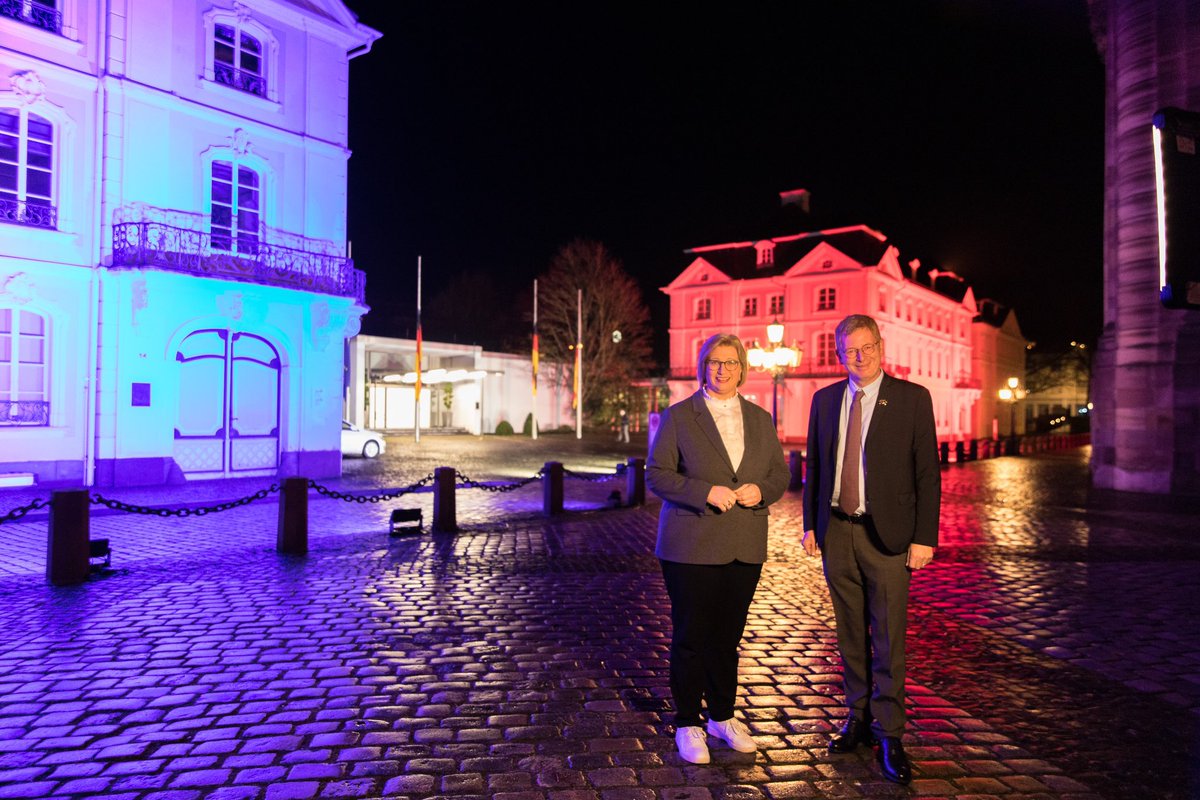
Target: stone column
(1146,428)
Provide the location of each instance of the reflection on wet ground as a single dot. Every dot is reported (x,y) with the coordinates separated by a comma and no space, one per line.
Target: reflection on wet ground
(1054,652)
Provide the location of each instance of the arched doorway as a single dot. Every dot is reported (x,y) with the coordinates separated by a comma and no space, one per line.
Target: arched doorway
(228,423)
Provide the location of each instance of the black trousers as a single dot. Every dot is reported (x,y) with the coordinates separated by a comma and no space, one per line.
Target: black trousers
(709,603)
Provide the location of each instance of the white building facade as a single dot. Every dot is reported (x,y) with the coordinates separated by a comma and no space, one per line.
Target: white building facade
(464,388)
(174,287)
(809,282)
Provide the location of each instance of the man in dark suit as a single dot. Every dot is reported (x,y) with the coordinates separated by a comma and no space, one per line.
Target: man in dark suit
(717,464)
(871,501)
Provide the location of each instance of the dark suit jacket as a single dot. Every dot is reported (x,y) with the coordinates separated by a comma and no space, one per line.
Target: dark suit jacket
(903,477)
(687,458)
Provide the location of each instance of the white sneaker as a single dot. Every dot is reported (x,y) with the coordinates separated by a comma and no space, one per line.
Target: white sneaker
(692,745)
(733,733)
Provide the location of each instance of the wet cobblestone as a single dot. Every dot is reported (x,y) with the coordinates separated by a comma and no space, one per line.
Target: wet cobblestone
(1054,653)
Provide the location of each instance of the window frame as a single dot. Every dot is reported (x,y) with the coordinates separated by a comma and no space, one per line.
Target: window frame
(827,298)
(749,306)
(23,168)
(14,362)
(825,347)
(271,74)
(703,309)
(776,305)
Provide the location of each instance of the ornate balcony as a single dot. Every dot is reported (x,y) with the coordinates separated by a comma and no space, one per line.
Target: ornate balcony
(965,381)
(177,249)
(239,79)
(29,413)
(33,215)
(33,13)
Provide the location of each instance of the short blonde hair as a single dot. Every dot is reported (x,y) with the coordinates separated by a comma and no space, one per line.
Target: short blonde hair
(712,343)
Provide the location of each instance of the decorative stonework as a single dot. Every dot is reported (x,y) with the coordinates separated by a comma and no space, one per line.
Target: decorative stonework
(240,142)
(28,86)
(19,288)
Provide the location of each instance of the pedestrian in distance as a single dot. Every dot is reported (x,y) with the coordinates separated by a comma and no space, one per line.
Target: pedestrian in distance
(871,502)
(623,427)
(717,464)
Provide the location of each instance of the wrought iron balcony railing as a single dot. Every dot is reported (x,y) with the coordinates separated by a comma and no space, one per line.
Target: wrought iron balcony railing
(24,412)
(965,381)
(33,13)
(162,246)
(240,79)
(34,215)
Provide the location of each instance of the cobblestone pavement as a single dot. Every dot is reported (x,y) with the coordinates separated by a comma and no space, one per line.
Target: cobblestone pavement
(1054,653)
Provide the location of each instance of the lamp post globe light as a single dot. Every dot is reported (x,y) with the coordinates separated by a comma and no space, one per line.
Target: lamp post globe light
(776,359)
(1011,394)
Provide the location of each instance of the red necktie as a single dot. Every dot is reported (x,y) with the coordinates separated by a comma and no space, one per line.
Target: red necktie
(851,457)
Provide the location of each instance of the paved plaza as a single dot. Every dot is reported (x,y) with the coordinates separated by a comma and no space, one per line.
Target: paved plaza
(1054,648)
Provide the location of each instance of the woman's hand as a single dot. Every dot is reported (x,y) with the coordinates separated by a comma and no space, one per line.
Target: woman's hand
(722,498)
(748,494)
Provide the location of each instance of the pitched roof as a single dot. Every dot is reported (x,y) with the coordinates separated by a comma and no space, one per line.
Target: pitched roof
(739,260)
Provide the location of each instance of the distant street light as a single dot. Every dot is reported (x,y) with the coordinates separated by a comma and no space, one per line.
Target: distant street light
(776,359)
(1012,394)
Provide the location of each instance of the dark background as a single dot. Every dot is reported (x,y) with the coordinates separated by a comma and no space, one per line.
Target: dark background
(485,136)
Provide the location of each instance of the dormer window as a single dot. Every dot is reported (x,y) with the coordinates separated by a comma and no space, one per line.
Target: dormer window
(766,253)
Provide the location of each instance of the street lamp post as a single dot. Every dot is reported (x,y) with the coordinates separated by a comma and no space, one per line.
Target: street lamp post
(1011,394)
(776,358)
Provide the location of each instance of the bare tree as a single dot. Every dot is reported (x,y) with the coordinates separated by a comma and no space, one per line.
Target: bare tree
(616,323)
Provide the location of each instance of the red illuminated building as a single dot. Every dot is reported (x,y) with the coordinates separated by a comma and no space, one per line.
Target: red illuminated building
(935,332)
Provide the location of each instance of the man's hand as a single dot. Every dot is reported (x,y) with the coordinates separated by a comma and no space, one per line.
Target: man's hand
(722,498)
(748,495)
(919,555)
(808,540)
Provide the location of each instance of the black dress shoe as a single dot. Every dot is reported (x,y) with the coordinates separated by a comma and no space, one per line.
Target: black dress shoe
(893,760)
(854,732)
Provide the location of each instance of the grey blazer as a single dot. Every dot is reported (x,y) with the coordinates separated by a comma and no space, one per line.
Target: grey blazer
(688,458)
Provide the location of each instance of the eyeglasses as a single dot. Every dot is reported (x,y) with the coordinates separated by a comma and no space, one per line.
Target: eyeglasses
(729,365)
(867,350)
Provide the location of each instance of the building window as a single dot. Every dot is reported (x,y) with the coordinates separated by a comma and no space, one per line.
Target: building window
(39,13)
(235,208)
(827,299)
(776,305)
(704,308)
(826,350)
(238,60)
(26,169)
(827,264)
(750,307)
(23,399)
(766,253)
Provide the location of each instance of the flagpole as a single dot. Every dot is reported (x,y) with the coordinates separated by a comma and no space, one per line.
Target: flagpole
(579,366)
(534,427)
(417,396)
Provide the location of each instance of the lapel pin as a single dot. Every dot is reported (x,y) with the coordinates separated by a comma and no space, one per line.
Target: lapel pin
(883,401)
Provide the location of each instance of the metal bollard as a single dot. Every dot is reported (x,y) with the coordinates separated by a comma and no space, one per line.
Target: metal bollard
(67,544)
(292,536)
(944,449)
(445,511)
(974,450)
(552,488)
(635,481)
(960,452)
(796,467)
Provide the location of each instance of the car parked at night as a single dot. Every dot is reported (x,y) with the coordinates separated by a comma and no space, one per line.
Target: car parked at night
(363,442)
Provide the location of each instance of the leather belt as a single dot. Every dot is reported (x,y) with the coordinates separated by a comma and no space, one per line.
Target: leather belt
(853,519)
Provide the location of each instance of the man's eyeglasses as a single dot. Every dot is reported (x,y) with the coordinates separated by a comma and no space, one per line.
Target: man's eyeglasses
(729,365)
(867,350)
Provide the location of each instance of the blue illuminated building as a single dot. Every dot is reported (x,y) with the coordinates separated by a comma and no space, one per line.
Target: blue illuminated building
(175,284)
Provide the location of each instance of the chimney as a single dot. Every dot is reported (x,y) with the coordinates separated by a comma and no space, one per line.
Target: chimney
(795,197)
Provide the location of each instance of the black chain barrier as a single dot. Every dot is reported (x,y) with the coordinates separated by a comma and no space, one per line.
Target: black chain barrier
(464,482)
(130,508)
(580,476)
(20,511)
(325,491)
(497,488)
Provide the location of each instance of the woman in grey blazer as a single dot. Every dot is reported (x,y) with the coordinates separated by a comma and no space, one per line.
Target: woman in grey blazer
(717,464)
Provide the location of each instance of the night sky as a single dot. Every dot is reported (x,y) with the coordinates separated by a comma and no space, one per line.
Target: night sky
(487,135)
